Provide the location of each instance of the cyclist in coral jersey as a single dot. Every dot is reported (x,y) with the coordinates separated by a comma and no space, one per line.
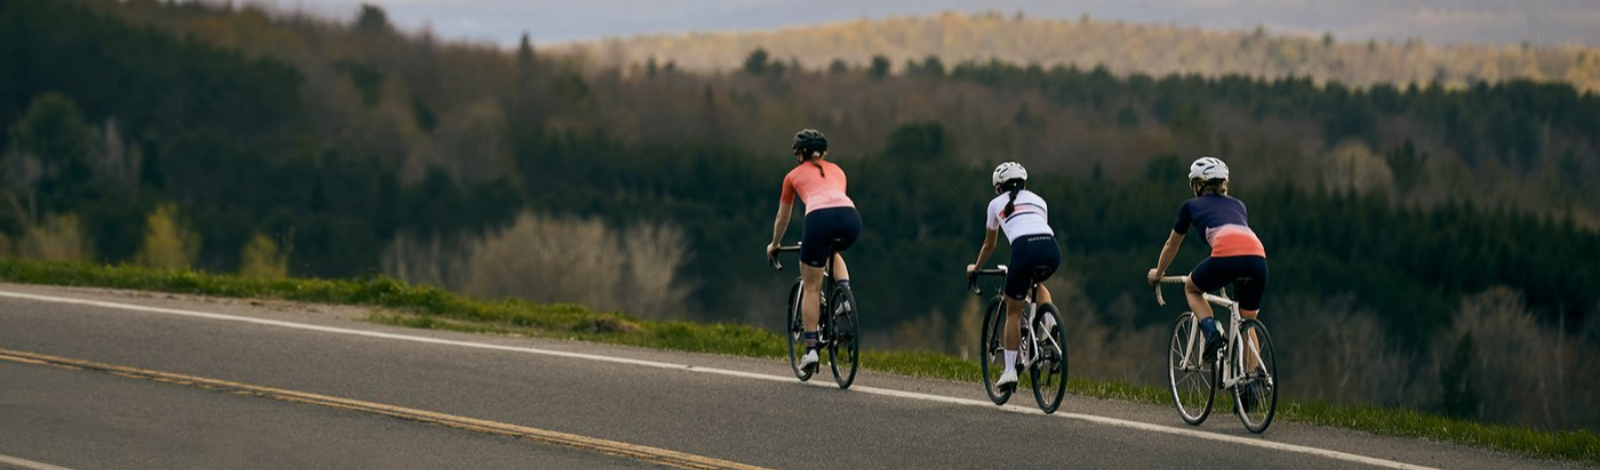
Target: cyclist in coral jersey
(1237,255)
(831,226)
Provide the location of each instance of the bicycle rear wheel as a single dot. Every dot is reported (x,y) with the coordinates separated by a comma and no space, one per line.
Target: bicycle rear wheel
(844,350)
(1193,381)
(794,332)
(991,350)
(1049,371)
(1257,391)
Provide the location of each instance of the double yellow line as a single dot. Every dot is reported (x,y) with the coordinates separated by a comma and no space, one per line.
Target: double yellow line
(590,444)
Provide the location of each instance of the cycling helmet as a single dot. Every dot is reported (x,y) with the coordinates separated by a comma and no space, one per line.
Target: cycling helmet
(1009,171)
(1208,168)
(809,140)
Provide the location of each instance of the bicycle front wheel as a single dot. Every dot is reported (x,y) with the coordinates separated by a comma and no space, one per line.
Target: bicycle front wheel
(794,332)
(845,349)
(991,350)
(1257,391)
(1193,381)
(1049,371)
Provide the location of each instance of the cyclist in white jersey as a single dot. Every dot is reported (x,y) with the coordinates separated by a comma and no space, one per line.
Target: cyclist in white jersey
(1023,216)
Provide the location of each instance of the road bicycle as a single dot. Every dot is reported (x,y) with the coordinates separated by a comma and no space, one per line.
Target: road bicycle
(1244,366)
(1042,353)
(838,325)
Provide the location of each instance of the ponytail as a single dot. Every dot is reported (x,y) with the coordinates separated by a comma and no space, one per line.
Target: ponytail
(819,168)
(1203,187)
(1014,186)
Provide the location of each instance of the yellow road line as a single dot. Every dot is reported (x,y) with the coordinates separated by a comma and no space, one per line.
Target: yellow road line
(591,444)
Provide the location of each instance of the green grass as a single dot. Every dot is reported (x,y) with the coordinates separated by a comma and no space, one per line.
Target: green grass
(427,307)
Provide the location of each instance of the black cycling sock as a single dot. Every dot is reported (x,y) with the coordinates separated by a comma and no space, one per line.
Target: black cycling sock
(1209,327)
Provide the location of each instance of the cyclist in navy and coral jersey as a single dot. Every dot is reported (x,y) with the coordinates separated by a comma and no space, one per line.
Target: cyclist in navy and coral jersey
(1237,256)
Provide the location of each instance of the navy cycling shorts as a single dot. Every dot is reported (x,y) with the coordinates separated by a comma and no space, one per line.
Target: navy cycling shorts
(1247,273)
(1034,258)
(828,231)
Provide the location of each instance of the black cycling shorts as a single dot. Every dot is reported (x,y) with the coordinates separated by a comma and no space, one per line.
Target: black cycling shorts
(1247,273)
(828,231)
(1034,258)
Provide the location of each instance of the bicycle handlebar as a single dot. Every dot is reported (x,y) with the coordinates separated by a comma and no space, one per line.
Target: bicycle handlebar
(972,281)
(781,249)
(1167,280)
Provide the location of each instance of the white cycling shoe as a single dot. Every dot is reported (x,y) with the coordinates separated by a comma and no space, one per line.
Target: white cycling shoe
(808,362)
(1007,380)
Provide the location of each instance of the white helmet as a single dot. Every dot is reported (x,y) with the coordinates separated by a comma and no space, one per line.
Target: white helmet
(1208,168)
(1009,171)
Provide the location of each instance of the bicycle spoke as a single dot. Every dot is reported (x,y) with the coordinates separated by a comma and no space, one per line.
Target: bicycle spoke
(1049,372)
(992,365)
(846,348)
(795,338)
(1256,391)
(1192,386)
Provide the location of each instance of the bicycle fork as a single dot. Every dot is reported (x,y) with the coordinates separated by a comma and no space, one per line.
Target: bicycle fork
(1188,361)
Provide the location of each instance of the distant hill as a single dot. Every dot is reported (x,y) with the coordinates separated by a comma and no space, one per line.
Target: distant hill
(1123,48)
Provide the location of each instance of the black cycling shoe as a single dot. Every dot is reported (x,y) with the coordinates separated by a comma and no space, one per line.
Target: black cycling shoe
(1247,397)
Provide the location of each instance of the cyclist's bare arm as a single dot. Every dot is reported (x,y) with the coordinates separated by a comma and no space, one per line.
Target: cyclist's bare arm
(990,237)
(779,225)
(1168,252)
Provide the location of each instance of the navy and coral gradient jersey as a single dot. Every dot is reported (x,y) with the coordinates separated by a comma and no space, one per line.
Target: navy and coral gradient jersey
(1225,223)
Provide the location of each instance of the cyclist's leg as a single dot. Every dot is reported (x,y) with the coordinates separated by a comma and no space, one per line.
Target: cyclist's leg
(1051,257)
(1207,276)
(1250,288)
(811,277)
(1013,331)
(814,252)
(848,229)
(1250,361)
(1197,299)
(1210,275)
(841,273)
(1027,254)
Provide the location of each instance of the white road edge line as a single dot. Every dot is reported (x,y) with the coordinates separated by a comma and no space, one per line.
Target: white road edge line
(1331,454)
(28,464)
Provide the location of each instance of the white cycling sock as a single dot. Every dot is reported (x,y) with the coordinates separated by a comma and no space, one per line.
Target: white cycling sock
(1011,359)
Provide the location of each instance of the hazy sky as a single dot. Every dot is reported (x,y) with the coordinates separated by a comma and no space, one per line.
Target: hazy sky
(1435,21)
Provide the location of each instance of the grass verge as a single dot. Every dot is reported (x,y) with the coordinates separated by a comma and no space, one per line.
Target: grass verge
(427,307)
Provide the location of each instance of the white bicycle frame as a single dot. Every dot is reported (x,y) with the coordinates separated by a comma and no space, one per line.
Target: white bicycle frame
(1026,360)
(1235,321)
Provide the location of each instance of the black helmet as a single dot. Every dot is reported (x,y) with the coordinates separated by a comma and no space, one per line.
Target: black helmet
(809,140)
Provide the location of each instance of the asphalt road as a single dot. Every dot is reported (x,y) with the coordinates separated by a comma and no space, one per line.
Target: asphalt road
(740,410)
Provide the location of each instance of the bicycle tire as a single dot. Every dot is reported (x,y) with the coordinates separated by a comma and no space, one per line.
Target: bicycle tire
(844,348)
(991,350)
(1193,382)
(1259,391)
(794,326)
(1049,371)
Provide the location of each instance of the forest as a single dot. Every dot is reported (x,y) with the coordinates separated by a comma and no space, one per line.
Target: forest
(1124,48)
(1433,240)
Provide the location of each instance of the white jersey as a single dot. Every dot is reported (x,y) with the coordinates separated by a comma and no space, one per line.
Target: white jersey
(1029,216)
